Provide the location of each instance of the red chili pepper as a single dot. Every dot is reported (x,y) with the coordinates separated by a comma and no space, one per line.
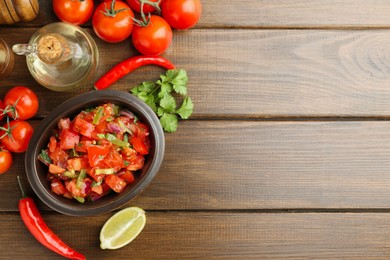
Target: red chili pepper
(125,67)
(38,228)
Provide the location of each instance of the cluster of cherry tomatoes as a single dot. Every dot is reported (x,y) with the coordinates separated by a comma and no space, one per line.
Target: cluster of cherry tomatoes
(19,104)
(149,23)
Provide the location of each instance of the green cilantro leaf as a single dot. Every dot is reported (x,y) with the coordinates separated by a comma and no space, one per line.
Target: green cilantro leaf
(160,111)
(44,157)
(168,103)
(186,108)
(165,89)
(169,122)
(146,87)
(179,83)
(158,96)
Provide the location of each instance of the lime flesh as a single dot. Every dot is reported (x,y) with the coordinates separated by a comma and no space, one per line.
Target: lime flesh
(122,228)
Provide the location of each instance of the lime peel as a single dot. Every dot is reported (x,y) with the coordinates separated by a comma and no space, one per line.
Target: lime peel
(122,228)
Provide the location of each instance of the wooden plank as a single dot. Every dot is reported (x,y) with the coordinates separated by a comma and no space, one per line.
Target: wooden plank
(237,165)
(257,73)
(296,14)
(274,14)
(173,235)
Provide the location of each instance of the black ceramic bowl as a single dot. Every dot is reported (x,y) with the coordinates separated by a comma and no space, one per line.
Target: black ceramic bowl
(37,171)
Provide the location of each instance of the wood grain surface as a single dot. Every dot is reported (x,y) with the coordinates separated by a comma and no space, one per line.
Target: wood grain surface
(304,73)
(285,157)
(210,235)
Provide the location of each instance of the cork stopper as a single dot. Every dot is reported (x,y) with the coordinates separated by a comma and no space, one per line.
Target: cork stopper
(54,49)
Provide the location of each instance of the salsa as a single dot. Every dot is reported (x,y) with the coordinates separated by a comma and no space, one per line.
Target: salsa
(99,151)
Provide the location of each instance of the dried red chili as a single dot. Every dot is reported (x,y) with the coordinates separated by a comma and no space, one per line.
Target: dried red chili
(38,228)
(125,67)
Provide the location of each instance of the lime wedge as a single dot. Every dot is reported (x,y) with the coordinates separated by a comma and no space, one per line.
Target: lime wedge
(122,228)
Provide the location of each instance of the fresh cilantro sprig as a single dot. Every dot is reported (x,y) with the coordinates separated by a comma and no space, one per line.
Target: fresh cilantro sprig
(160,96)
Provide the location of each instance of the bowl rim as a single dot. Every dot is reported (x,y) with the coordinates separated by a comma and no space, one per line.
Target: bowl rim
(67,108)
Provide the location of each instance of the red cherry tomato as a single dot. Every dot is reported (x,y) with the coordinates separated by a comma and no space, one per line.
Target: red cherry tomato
(73,11)
(147,8)
(5,160)
(16,135)
(153,38)
(181,14)
(112,21)
(22,103)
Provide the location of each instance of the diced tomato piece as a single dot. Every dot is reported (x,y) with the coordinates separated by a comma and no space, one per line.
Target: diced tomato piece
(136,163)
(127,176)
(58,156)
(96,177)
(52,144)
(75,164)
(116,183)
(56,169)
(87,116)
(101,128)
(139,146)
(97,189)
(83,127)
(57,187)
(64,123)
(68,139)
(68,195)
(72,188)
(96,153)
(114,160)
(82,146)
(128,152)
(142,131)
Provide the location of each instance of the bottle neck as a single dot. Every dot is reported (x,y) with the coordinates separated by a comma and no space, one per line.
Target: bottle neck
(51,48)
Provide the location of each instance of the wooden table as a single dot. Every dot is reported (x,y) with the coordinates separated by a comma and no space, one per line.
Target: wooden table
(287,154)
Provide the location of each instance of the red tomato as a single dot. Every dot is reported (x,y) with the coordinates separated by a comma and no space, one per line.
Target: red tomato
(135,163)
(83,127)
(127,176)
(73,11)
(139,146)
(73,189)
(96,153)
(96,177)
(5,160)
(114,160)
(52,144)
(59,156)
(22,101)
(112,21)
(115,182)
(57,187)
(17,136)
(147,8)
(153,38)
(181,14)
(77,164)
(82,145)
(68,139)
